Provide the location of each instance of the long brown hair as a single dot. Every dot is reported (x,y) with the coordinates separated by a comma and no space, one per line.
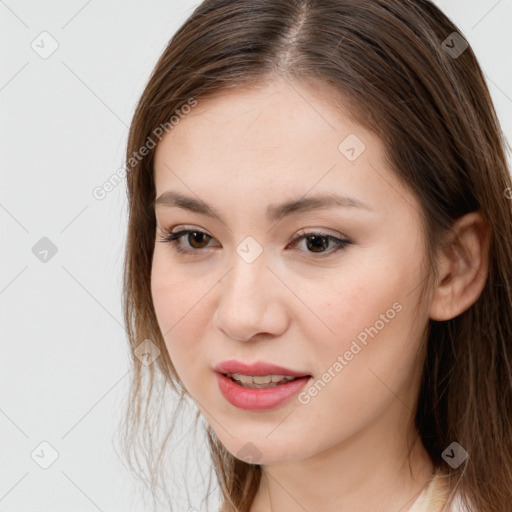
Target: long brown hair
(406,76)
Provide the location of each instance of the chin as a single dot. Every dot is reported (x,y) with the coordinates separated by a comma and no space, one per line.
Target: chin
(263,452)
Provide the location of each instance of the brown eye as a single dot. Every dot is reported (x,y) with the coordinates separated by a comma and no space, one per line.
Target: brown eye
(321,244)
(197,239)
(317,243)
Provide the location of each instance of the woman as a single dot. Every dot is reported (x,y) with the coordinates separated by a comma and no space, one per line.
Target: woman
(319,252)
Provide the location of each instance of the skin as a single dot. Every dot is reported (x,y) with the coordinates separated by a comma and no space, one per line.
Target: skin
(241,151)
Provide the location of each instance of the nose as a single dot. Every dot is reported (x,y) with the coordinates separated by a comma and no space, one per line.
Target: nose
(252,301)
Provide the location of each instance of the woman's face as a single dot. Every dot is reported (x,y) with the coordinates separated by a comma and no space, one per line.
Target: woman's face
(244,289)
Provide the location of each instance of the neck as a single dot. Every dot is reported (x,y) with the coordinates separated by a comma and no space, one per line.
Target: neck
(370,471)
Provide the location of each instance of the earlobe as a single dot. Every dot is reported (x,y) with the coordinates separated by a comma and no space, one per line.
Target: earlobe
(463,268)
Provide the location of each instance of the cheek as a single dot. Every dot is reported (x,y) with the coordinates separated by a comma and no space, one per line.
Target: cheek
(351,304)
(375,296)
(371,315)
(180,314)
(367,320)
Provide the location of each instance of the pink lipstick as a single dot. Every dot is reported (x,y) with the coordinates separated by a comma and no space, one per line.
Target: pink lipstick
(258,386)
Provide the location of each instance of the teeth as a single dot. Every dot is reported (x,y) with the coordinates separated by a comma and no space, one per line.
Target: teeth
(260,381)
(263,379)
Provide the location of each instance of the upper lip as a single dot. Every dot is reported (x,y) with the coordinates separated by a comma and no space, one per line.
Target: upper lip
(256,369)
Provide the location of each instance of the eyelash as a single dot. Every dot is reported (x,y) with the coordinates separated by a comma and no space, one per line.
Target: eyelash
(169,237)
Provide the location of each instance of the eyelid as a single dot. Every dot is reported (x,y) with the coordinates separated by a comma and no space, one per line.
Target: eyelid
(320,231)
(186,227)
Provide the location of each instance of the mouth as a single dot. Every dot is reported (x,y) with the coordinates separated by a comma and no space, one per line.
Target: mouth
(262,381)
(260,385)
(250,393)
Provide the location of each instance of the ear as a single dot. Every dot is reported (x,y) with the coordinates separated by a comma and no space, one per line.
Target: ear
(462,268)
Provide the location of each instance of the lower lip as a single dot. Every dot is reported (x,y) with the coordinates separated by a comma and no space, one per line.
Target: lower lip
(258,399)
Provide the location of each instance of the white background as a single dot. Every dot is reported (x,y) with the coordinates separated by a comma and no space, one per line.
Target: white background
(64,121)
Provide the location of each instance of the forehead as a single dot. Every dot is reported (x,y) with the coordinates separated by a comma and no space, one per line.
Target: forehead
(272,115)
(273,138)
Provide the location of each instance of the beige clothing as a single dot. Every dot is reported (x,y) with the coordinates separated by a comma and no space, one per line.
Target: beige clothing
(434,496)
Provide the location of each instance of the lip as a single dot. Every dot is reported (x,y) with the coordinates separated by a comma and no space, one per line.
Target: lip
(256,369)
(258,399)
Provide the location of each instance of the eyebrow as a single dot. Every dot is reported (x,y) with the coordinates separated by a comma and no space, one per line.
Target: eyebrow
(274,212)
